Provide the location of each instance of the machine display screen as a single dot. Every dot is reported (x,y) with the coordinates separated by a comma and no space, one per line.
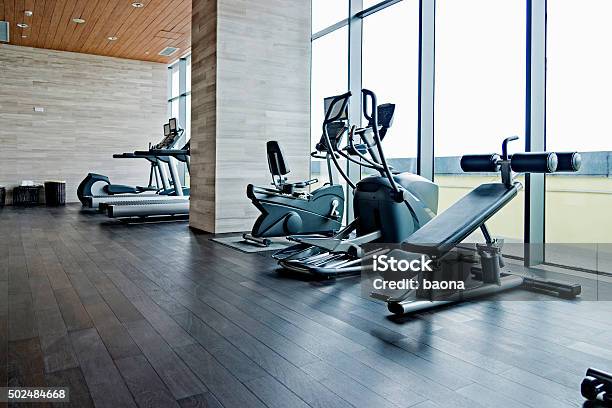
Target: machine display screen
(166,129)
(173,126)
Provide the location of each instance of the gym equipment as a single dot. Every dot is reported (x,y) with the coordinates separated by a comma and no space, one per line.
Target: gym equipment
(286,209)
(97,188)
(597,386)
(388,207)
(165,205)
(439,240)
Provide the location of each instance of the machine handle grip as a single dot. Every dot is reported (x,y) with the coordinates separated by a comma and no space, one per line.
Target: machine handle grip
(480,163)
(569,161)
(534,162)
(369,108)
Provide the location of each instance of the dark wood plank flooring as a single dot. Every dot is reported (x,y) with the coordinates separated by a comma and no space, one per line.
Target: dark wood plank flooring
(157,315)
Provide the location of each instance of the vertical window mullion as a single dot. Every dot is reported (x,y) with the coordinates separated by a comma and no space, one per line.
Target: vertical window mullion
(354,85)
(425,131)
(535,134)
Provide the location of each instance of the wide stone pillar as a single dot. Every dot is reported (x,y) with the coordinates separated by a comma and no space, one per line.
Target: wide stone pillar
(250,84)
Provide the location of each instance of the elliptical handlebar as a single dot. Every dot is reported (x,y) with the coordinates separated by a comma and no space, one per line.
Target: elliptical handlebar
(372,117)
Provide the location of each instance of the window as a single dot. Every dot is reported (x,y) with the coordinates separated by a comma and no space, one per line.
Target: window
(328,12)
(188,74)
(370,3)
(179,102)
(175,80)
(479,95)
(329,78)
(578,89)
(390,68)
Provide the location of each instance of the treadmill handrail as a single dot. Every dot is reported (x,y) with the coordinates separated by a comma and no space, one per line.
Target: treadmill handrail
(125,156)
(162,152)
(165,152)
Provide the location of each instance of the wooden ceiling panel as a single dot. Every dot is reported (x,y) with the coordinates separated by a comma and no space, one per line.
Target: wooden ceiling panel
(141,32)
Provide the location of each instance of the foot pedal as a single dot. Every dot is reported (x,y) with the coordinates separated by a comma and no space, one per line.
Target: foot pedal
(561,289)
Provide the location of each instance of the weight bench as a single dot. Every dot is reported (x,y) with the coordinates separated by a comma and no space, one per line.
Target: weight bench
(450,228)
(440,238)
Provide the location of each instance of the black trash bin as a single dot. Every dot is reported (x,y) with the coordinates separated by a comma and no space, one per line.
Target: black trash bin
(2,196)
(55,193)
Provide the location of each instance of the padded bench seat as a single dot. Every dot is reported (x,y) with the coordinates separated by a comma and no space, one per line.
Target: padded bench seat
(451,227)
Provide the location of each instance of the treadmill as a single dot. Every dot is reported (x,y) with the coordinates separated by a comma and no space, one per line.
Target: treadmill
(170,206)
(172,134)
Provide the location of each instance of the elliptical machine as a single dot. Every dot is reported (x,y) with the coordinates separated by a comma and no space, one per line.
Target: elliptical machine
(286,209)
(388,207)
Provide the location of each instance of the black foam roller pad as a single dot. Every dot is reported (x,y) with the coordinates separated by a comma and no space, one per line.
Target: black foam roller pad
(534,162)
(480,163)
(569,161)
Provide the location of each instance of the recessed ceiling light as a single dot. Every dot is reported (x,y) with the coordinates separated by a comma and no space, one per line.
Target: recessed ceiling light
(78,20)
(22,25)
(24,36)
(112,38)
(138,4)
(28,13)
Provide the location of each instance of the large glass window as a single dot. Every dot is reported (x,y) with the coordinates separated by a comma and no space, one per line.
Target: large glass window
(479,95)
(370,3)
(329,78)
(175,80)
(578,89)
(179,101)
(328,12)
(390,69)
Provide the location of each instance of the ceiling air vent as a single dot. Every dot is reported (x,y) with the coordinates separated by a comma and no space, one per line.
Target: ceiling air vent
(166,52)
(4,31)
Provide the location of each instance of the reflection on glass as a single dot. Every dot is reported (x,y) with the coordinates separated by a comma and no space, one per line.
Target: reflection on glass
(479,95)
(329,78)
(328,12)
(578,88)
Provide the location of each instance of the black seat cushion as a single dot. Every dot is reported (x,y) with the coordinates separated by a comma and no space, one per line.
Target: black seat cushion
(449,228)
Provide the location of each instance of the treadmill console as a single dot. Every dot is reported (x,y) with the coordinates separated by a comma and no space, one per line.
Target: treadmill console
(170,135)
(173,125)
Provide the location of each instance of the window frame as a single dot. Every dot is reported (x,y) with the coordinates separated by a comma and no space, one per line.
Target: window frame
(535,69)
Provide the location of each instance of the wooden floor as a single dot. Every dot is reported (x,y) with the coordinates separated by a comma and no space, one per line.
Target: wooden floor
(156,315)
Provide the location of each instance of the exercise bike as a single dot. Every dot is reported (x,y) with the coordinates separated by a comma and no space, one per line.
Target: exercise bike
(286,208)
(388,207)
